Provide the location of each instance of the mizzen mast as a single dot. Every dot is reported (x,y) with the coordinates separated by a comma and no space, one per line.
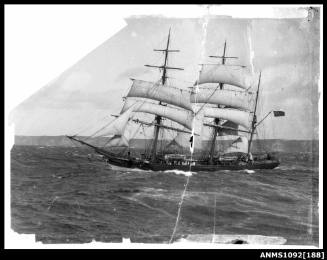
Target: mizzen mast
(254,120)
(158,118)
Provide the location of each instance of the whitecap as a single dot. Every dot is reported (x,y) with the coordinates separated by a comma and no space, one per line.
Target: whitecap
(125,169)
(179,172)
(249,171)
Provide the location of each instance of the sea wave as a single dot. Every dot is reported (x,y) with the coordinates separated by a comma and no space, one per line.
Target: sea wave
(249,171)
(179,172)
(291,168)
(124,169)
(86,200)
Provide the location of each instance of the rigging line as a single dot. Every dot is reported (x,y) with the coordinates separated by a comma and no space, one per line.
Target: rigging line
(192,82)
(143,131)
(125,148)
(88,126)
(219,48)
(260,144)
(106,125)
(99,130)
(207,99)
(154,62)
(159,56)
(145,138)
(72,142)
(109,139)
(147,145)
(74,146)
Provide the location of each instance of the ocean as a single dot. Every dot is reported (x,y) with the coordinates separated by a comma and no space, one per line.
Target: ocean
(62,195)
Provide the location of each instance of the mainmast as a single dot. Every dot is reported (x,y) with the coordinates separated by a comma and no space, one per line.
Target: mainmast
(254,120)
(164,68)
(216,120)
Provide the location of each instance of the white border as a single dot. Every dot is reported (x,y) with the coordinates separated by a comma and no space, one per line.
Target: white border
(17,91)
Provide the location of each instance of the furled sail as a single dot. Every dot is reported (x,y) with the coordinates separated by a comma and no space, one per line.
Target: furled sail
(228,74)
(239,145)
(118,125)
(237,116)
(156,91)
(230,98)
(183,117)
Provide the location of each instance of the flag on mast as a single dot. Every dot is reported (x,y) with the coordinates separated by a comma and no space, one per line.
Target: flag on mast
(279,113)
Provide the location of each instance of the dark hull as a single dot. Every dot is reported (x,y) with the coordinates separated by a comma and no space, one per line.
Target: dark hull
(197,167)
(214,168)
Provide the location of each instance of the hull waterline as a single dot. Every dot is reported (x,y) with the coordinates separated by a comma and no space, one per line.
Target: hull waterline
(153,166)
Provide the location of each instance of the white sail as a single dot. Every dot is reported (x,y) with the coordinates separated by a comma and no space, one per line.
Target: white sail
(183,117)
(156,91)
(123,140)
(197,130)
(118,125)
(228,74)
(183,140)
(237,116)
(230,98)
(117,141)
(239,145)
(198,122)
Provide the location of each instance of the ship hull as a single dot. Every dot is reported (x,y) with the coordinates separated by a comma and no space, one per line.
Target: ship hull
(197,167)
(184,165)
(215,168)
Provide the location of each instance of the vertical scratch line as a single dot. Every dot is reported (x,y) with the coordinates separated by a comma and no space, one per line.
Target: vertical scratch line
(179,210)
(195,88)
(214,222)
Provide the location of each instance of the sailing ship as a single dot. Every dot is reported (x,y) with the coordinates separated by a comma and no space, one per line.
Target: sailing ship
(222,94)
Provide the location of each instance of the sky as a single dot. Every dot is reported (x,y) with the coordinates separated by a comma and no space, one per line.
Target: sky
(286,51)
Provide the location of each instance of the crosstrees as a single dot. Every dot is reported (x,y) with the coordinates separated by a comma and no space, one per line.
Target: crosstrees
(164,68)
(217,120)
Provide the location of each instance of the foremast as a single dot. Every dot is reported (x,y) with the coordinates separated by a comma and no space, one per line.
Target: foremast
(158,118)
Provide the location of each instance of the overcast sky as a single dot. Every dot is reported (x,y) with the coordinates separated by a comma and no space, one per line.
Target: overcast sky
(285,50)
